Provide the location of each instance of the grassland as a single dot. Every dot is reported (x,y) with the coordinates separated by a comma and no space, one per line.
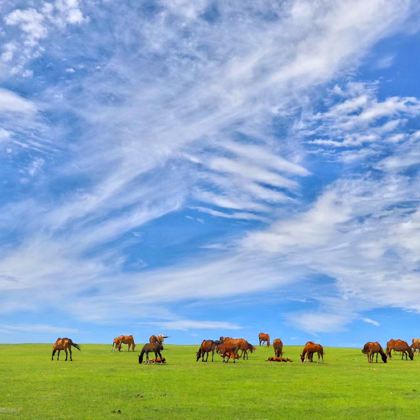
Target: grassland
(102,384)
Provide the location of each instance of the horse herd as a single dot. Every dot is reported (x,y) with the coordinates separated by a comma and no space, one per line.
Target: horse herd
(373,348)
(236,348)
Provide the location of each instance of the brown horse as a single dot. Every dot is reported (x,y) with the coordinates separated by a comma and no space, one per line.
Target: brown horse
(228,349)
(63,344)
(309,350)
(401,346)
(371,348)
(206,347)
(245,346)
(415,344)
(278,347)
(264,338)
(157,339)
(124,339)
(151,347)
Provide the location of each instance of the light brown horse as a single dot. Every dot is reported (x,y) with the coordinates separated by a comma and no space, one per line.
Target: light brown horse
(156,348)
(401,346)
(371,348)
(124,339)
(415,344)
(278,347)
(264,338)
(157,339)
(206,347)
(228,349)
(63,344)
(309,350)
(245,346)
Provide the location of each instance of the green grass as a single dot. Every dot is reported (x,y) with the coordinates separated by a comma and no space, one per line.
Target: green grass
(102,384)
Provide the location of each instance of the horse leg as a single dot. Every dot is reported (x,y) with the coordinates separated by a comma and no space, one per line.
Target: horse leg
(58,355)
(52,355)
(212,356)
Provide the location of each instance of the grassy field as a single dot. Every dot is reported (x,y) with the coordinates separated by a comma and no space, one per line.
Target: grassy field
(102,384)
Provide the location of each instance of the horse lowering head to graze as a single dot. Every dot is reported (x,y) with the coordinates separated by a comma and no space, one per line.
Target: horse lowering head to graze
(309,350)
(278,347)
(400,346)
(63,344)
(244,346)
(371,348)
(264,338)
(157,339)
(156,348)
(116,344)
(206,347)
(228,349)
(124,339)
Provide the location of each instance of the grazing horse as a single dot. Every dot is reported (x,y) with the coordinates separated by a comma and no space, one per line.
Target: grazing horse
(63,344)
(264,338)
(309,350)
(415,344)
(228,349)
(401,346)
(157,339)
(207,346)
(371,348)
(151,347)
(124,339)
(245,346)
(278,347)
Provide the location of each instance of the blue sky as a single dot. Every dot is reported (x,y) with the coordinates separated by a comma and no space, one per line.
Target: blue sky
(205,168)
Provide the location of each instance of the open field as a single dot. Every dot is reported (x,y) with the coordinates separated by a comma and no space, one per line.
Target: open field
(103,384)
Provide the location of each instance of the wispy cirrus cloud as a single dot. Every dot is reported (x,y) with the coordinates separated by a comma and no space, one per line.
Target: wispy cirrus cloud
(193,106)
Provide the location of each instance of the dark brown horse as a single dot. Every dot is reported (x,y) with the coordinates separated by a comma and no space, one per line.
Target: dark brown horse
(206,347)
(63,344)
(264,338)
(278,347)
(371,348)
(401,346)
(156,348)
(124,339)
(309,350)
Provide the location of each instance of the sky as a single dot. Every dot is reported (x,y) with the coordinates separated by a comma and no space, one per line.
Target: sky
(209,168)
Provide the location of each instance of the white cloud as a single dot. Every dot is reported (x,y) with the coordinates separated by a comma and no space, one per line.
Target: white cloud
(371,322)
(157,91)
(11,102)
(190,324)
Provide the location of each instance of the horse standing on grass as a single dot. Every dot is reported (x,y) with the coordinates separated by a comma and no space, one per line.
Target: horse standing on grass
(151,347)
(124,339)
(157,339)
(309,350)
(371,348)
(264,338)
(245,346)
(278,347)
(206,347)
(401,346)
(63,344)
(415,344)
(228,349)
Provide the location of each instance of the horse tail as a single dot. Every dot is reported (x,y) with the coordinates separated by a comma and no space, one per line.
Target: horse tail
(75,345)
(141,356)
